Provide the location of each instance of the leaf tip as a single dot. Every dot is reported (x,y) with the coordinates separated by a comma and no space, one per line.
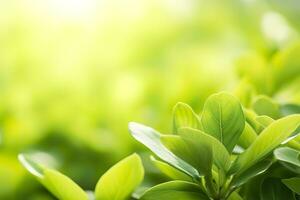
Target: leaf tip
(30,165)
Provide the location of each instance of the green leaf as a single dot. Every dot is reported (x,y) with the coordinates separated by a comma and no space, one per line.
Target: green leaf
(199,156)
(34,168)
(251,120)
(120,181)
(152,139)
(62,186)
(223,118)
(273,189)
(235,196)
(269,139)
(264,120)
(264,105)
(289,109)
(184,116)
(251,190)
(58,184)
(175,190)
(257,169)
(293,184)
(170,171)
(287,154)
(248,136)
(221,156)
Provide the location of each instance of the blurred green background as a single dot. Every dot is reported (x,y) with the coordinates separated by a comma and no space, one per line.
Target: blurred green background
(73,73)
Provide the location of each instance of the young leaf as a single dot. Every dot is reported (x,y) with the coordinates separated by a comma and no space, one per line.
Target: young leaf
(58,184)
(269,139)
(264,105)
(170,171)
(273,189)
(223,118)
(184,116)
(289,155)
(199,156)
(221,156)
(152,139)
(34,168)
(175,190)
(251,120)
(62,186)
(293,184)
(120,181)
(248,136)
(264,120)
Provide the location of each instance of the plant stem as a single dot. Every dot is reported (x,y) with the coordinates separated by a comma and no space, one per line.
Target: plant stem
(210,187)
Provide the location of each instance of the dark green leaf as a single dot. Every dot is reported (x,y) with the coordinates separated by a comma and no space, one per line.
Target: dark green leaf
(289,109)
(273,189)
(293,184)
(259,168)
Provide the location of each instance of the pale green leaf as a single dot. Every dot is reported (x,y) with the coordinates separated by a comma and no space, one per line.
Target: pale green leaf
(264,120)
(34,168)
(184,116)
(170,171)
(119,181)
(248,136)
(264,105)
(251,120)
(58,184)
(223,118)
(175,190)
(152,139)
(62,186)
(287,154)
(269,139)
(293,184)
(199,156)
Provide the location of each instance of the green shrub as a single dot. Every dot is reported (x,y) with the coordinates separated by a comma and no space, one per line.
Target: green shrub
(226,153)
